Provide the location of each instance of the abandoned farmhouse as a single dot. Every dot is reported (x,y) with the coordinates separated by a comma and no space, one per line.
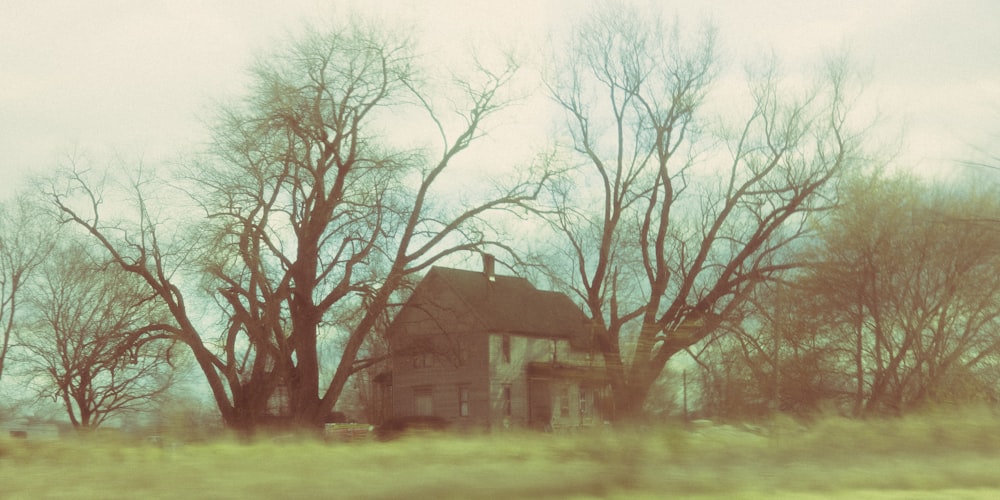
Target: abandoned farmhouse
(481,350)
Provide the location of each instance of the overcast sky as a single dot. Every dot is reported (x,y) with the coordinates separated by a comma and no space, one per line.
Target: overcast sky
(133,77)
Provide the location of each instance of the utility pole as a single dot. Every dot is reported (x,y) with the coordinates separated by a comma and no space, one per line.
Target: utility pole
(684,384)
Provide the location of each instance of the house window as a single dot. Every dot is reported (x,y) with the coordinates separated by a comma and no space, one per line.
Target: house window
(463,353)
(584,407)
(423,401)
(564,403)
(422,360)
(463,401)
(506,401)
(505,348)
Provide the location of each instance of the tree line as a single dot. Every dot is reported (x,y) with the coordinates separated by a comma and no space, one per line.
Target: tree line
(761,241)
(896,309)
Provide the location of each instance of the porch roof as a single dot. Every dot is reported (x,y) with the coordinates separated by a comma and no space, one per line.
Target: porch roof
(561,371)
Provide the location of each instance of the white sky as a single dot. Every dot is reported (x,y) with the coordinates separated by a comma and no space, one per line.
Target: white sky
(132,77)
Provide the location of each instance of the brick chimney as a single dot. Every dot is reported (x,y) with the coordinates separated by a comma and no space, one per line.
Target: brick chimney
(489,266)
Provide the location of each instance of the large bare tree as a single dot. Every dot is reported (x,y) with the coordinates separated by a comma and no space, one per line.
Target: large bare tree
(313,218)
(671,220)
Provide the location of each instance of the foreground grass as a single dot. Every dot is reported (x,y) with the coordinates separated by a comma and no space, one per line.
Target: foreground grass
(942,456)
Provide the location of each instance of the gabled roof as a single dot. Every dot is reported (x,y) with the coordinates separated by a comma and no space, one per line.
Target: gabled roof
(505,304)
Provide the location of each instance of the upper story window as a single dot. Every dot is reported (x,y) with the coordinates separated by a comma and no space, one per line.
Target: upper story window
(462,352)
(505,348)
(423,360)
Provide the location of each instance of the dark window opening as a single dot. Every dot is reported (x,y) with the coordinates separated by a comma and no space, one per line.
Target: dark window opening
(463,353)
(423,360)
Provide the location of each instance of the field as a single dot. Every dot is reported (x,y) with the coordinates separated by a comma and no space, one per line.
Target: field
(932,456)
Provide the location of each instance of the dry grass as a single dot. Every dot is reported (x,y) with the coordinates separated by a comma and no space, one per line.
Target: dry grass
(935,456)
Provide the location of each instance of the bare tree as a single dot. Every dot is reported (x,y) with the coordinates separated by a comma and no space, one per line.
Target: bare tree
(687,223)
(897,308)
(24,244)
(920,292)
(95,343)
(313,220)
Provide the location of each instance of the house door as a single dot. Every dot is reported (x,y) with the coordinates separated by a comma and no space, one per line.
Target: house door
(539,403)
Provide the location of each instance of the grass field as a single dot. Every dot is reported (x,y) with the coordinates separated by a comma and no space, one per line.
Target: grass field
(936,456)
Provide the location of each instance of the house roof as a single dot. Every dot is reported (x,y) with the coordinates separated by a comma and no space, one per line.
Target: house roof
(505,304)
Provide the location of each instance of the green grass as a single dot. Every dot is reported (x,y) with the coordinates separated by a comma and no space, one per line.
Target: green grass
(933,456)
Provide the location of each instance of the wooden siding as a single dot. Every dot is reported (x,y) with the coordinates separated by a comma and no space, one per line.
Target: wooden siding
(443,371)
